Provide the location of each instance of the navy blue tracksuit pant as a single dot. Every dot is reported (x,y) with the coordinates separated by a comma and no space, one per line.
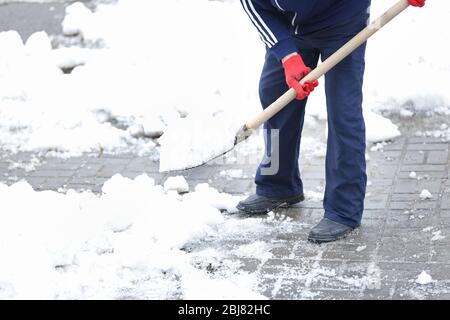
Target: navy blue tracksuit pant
(345,159)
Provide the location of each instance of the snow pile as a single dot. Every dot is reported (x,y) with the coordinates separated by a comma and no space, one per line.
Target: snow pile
(42,109)
(379,128)
(425,195)
(395,82)
(133,86)
(208,195)
(78,17)
(424,278)
(258,250)
(127,242)
(178,183)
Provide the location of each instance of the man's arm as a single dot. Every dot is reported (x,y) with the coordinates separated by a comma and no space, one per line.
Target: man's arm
(272,26)
(274,31)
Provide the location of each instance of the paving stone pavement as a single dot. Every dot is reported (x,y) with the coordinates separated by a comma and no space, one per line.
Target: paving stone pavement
(401,234)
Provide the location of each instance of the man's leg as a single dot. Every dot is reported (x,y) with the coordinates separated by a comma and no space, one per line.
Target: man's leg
(288,122)
(276,182)
(345,161)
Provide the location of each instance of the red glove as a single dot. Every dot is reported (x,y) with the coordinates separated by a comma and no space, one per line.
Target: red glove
(417,3)
(295,70)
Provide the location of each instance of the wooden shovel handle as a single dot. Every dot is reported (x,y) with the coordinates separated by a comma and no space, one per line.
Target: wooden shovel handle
(329,63)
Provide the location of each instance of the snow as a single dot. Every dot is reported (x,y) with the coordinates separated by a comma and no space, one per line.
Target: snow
(425,195)
(437,235)
(413,63)
(198,141)
(406,113)
(38,43)
(131,237)
(361,248)
(71,57)
(204,193)
(65,111)
(258,250)
(379,128)
(312,146)
(313,196)
(277,217)
(178,183)
(27,166)
(232,173)
(78,17)
(56,116)
(424,278)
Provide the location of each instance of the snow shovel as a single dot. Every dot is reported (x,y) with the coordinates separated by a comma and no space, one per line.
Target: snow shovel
(168,156)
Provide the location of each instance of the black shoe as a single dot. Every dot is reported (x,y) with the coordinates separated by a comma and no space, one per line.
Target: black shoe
(327,230)
(256,204)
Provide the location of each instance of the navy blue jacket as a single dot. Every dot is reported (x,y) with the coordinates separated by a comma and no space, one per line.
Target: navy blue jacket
(278,20)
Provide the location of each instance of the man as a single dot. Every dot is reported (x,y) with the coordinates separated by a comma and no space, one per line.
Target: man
(296,33)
